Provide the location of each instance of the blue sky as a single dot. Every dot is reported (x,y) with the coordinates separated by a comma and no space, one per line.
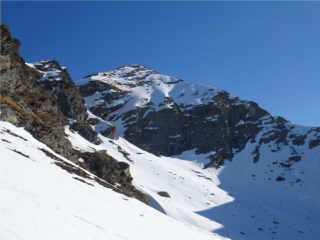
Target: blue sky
(265,52)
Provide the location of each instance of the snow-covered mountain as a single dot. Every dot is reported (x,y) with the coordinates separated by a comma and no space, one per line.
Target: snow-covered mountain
(271,172)
(201,163)
(172,116)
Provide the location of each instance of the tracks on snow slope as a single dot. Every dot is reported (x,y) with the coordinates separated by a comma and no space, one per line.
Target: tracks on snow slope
(120,109)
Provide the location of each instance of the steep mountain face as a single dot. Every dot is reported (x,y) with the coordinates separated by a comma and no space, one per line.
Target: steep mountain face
(58,83)
(173,116)
(25,103)
(43,99)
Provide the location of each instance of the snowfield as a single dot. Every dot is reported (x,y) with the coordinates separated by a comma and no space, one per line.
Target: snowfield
(39,200)
(242,200)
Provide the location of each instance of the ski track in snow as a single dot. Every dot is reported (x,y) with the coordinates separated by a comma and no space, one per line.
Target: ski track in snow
(120,109)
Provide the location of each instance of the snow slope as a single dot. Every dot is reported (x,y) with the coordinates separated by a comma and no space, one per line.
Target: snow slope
(264,208)
(39,200)
(189,185)
(242,200)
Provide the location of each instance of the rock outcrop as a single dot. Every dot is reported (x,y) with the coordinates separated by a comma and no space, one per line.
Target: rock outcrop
(58,83)
(43,99)
(25,103)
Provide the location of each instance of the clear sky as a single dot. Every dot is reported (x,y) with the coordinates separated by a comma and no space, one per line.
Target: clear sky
(265,52)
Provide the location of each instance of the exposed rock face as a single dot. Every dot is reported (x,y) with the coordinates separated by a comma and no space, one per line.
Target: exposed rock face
(104,166)
(112,171)
(57,82)
(164,194)
(178,131)
(25,103)
(43,99)
(173,116)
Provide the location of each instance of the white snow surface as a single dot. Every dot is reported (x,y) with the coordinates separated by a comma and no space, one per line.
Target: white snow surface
(242,200)
(39,200)
(49,75)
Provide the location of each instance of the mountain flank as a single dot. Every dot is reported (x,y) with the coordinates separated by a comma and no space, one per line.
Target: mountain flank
(44,100)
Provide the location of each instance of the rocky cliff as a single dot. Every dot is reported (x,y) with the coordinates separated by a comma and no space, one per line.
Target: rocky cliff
(44,100)
(24,102)
(57,82)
